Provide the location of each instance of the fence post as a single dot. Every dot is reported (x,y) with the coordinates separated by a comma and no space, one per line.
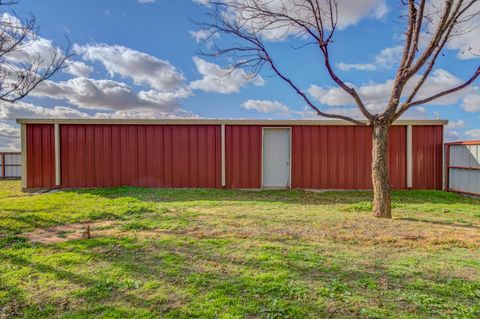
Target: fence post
(447,167)
(3,166)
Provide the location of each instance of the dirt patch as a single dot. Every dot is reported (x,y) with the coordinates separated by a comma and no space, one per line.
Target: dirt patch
(58,234)
(367,231)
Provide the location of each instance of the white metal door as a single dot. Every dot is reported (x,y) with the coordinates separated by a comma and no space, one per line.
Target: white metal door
(276,157)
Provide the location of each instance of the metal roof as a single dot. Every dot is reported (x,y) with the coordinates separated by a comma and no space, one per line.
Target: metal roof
(214,121)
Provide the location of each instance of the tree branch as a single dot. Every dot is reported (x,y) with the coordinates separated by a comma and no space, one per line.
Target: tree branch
(446,92)
(20,70)
(252,36)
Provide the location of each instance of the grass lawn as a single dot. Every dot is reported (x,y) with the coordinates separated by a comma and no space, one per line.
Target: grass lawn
(234,254)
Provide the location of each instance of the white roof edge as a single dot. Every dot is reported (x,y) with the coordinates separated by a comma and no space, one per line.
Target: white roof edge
(214,121)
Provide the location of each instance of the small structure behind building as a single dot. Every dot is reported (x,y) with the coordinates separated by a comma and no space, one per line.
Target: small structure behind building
(463,167)
(10,165)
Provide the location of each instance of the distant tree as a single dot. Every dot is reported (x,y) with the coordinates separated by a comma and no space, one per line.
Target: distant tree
(25,61)
(429,26)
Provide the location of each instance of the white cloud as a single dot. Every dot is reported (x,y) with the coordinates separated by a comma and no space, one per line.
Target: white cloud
(471,103)
(453,125)
(8,131)
(375,95)
(146,1)
(266,106)
(474,134)
(451,135)
(279,109)
(20,109)
(222,80)
(9,138)
(79,68)
(354,112)
(451,130)
(32,50)
(142,68)
(109,94)
(464,39)
(349,13)
(202,2)
(144,115)
(39,49)
(386,59)
(203,34)
(357,66)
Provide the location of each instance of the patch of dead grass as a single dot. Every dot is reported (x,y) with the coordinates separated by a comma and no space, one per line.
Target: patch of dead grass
(62,233)
(365,231)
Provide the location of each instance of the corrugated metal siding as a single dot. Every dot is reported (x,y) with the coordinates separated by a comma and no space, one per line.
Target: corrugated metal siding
(243,152)
(427,144)
(397,157)
(174,156)
(40,156)
(323,157)
(465,181)
(464,170)
(465,156)
(339,157)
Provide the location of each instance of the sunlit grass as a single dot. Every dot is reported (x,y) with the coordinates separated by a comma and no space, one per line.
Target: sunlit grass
(238,254)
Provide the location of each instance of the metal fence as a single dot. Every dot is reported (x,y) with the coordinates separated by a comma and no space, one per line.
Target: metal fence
(463,167)
(10,165)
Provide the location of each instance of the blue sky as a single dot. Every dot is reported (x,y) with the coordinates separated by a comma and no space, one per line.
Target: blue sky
(137,58)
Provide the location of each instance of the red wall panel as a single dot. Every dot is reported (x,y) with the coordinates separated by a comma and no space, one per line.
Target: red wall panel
(427,144)
(40,156)
(397,156)
(243,152)
(339,157)
(140,155)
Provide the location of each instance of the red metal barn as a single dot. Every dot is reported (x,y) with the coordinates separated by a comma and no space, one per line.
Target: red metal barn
(301,154)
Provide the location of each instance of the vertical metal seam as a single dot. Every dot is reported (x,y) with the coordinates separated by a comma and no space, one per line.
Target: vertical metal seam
(261,152)
(222,136)
(290,158)
(409,157)
(446,156)
(58,179)
(3,166)
(23,137)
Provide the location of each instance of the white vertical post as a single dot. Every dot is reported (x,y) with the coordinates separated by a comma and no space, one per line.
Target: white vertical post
(409,157)
(23,138)
(222,133)
(58,178)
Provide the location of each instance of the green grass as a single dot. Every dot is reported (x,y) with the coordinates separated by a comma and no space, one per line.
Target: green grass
(235,254)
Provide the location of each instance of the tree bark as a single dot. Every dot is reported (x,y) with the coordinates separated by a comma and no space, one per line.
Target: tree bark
(382,202)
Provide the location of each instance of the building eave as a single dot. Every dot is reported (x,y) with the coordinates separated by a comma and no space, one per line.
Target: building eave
(213,122)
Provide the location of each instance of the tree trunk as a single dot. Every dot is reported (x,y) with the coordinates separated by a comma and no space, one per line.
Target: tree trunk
(382,203)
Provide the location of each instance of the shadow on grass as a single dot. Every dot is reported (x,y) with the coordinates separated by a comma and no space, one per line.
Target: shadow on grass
(211,278)
(438,222)
(96,289)
(283,196)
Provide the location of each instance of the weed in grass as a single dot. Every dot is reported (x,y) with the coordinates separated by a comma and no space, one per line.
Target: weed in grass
(137,226)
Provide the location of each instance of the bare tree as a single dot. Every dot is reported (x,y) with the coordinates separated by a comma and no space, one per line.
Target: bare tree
(21,67)
(429,25)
